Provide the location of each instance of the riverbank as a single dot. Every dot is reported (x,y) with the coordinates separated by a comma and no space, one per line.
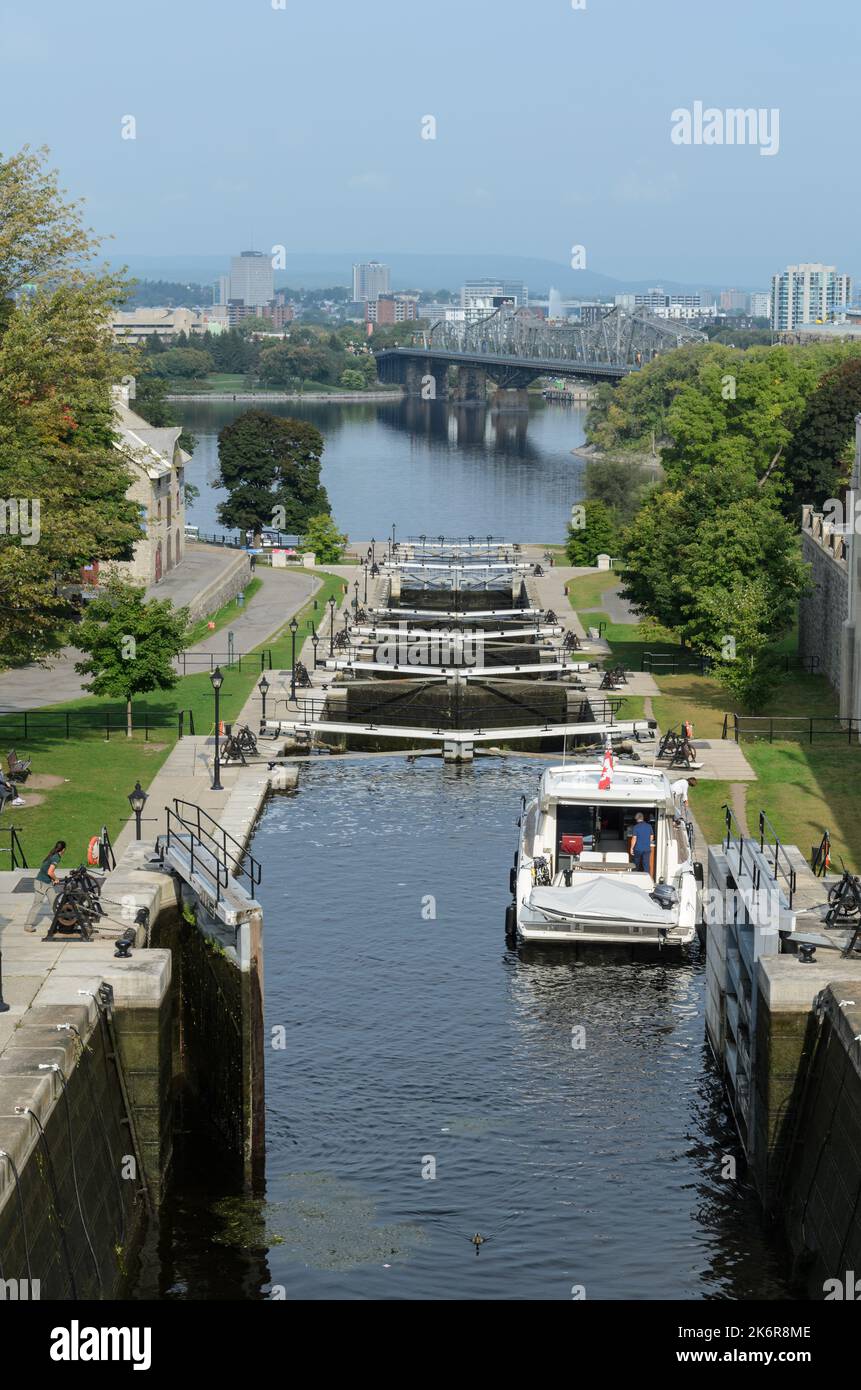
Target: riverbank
(280,397)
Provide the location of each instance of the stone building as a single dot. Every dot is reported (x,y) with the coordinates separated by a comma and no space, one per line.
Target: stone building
(158,468)
(850,683)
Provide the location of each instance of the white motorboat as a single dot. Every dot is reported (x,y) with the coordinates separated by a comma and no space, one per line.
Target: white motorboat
(573,879)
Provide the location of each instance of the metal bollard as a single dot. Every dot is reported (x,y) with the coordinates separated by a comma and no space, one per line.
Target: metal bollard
(4,1008)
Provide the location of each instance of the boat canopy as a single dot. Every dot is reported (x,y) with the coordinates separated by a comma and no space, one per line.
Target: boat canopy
(608,897)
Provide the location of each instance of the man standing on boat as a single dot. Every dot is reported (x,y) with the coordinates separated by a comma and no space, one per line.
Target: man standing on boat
(679,790)
(641,844)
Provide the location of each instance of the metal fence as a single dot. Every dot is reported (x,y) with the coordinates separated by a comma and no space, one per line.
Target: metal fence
(17,726)
(788,726)
(190,663)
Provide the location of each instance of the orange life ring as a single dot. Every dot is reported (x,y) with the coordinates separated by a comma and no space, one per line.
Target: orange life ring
(93,856)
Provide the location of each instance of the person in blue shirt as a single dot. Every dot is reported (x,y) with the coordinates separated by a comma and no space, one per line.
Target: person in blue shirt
(641,844)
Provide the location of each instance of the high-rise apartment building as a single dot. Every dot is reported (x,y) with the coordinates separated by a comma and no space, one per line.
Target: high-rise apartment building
(483,296)
(252,279)
(370,280)
(807,293)
(393,308)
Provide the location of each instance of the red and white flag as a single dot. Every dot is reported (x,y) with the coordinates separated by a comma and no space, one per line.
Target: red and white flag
(606,770)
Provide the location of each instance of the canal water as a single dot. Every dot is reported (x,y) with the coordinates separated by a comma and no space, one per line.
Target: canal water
(431,468)
(428,1087)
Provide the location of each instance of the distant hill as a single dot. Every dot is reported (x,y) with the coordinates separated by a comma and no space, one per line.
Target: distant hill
(410,270)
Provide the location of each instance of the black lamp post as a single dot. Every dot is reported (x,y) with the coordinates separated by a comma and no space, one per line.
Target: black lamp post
(263,687)
(366,583)
(316,641)
(137,801)
(332,626)
(356,599)
(217,681)
(373,549)
(294,628)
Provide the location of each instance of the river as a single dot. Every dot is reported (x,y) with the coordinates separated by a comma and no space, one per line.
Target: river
(430,468)
(429,1089)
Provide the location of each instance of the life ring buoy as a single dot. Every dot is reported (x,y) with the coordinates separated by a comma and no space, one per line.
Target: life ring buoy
(93,855)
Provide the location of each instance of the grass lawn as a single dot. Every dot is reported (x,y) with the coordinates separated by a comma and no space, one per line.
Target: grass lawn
(225,615)
(803,788)
(101,771)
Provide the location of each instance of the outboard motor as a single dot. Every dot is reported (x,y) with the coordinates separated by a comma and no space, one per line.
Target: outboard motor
(665,895)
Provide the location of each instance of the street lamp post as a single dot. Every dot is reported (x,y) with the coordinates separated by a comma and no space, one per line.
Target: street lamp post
(356,599)
(316,641)
(263,687)
(217,680)
(373,549)
(294,628)
(137,801)
(332,626)
(366,583)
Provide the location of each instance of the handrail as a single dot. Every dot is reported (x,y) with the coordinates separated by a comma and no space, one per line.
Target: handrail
(240,862)
(15,849)
(788,872)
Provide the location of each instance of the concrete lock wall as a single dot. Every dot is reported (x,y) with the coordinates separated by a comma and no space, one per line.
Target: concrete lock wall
(822,1184)
(73,1218)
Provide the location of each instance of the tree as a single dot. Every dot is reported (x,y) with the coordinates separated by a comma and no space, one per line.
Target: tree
(57,365)
(818,457)
(151,403)
(619,481)
(271,470)
(324,539)
(130,643)
(182,362)
(598,535)
(352,379)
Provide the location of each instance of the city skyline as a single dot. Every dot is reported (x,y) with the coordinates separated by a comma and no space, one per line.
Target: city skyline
(436,159)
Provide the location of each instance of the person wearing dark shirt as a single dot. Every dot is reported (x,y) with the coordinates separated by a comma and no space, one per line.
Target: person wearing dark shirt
(641,844)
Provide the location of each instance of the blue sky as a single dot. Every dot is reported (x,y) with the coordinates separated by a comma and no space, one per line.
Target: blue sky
(301,126)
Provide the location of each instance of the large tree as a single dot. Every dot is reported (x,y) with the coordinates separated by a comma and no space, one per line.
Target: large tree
(820,454)
(271,470)
(129,644)
(57,364)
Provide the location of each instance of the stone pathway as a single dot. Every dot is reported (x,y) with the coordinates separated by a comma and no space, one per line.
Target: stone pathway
(282,592)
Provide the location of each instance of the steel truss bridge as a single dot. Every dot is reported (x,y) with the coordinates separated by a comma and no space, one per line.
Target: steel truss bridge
(512,348)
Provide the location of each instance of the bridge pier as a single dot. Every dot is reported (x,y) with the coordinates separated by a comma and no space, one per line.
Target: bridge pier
(425,379)
(507,398)
(471,386)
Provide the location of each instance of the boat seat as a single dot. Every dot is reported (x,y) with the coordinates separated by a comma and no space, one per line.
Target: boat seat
(616,857)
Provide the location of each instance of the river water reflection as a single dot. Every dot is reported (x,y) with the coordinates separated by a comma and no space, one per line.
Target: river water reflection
(431,468)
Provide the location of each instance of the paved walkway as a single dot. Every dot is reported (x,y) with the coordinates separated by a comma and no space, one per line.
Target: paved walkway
(282,593)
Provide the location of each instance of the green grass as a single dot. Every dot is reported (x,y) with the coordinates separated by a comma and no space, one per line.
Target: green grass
(201,629)
(101,771)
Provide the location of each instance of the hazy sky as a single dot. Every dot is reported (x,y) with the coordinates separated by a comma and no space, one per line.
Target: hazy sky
(301,126)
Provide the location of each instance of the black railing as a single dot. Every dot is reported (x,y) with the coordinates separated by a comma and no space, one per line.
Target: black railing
(789,726)
(14,848)
(672,663)
(778,862)
(208,844)
(192,662)
(180,722)
(781,863)
(20,725)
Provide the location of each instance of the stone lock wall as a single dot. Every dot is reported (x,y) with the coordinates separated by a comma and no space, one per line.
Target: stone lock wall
(822,613)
